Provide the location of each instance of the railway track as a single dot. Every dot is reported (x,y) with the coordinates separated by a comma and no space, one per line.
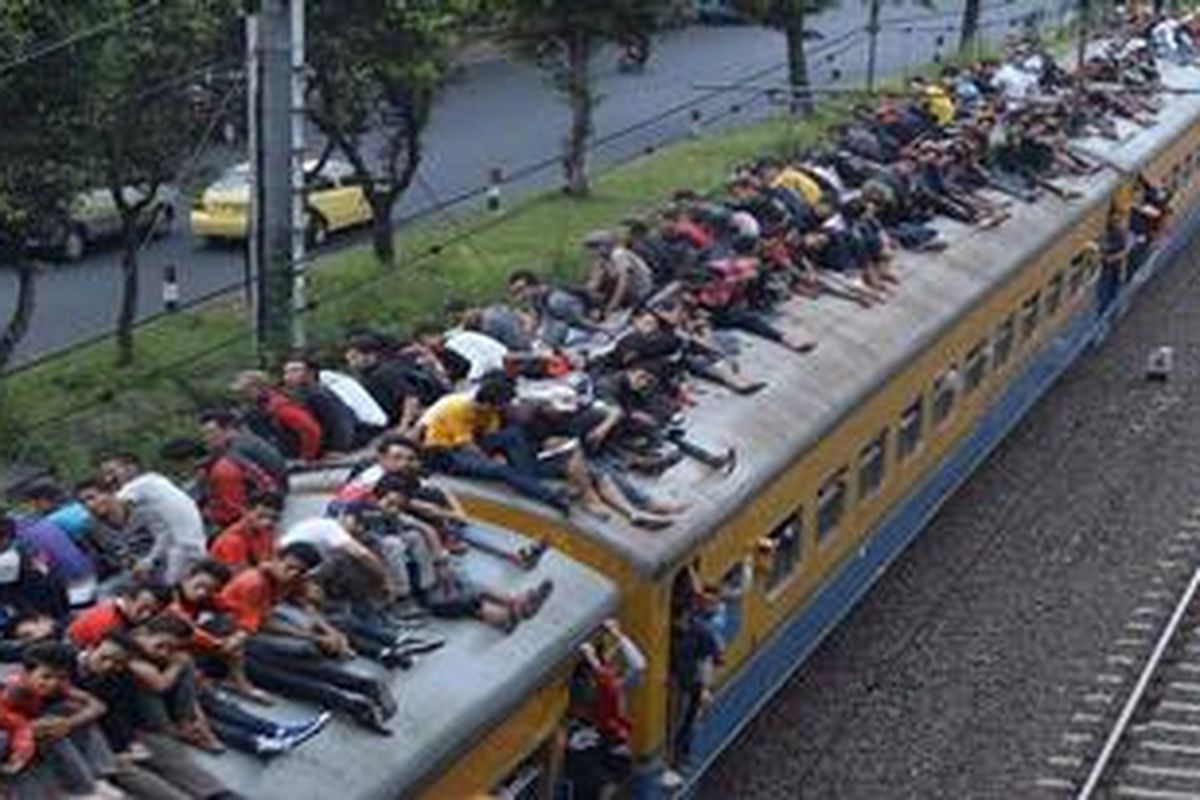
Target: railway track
(1137,734)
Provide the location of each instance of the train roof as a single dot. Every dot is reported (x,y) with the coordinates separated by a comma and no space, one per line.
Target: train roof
(859,349)
(447,701)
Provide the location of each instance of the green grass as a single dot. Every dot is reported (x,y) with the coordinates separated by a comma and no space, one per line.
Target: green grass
(62,413)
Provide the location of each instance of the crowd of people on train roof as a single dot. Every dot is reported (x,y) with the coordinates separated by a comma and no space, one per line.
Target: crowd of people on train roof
(143,616)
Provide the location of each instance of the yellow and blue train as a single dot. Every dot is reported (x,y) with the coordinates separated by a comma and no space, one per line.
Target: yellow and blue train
(843,459)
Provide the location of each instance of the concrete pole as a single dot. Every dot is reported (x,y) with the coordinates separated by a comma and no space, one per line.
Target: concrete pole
(251,250)
(299,216)
(873,43)
(273,180)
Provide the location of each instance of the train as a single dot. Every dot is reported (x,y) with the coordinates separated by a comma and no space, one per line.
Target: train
(843,459)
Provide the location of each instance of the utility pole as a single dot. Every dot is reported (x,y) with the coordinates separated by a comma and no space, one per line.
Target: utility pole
(1085,13)
(873,44)
(275,213)
(300,222)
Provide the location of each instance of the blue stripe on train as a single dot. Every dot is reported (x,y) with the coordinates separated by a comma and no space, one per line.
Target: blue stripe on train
(786,648)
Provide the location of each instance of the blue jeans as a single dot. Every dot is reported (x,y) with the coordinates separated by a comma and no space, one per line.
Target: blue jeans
(520,469)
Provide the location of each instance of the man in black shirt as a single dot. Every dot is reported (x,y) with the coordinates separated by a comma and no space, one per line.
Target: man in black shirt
(389,381)
(339,426)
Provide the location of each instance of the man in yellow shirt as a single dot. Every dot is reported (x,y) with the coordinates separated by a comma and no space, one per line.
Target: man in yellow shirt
(463,433)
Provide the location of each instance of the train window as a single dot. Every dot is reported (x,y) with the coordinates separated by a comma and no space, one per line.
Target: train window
(977,363)
(1054,293)
(831,504)
(872,465)
(1004,341)
(726,619)
(945,390)
(1029,316)
(1077,275)
(783,547)
(911,424)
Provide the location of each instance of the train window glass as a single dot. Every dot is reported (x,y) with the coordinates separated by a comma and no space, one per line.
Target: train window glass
(872,465)
(977,363)
(1054,293)
(831,504)
(783,549)
(945,390)
(1029,316)
(1004,341)
(911,424)
(528,781)
(1077,276)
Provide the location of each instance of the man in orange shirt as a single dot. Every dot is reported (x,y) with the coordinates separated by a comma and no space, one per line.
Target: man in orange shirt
(291,648)
(251,540)
(131,606)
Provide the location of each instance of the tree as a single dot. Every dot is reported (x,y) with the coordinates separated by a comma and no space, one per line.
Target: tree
(375,68)
(142,125)
(562,37)
(970,26)
(40,172)
(790,17)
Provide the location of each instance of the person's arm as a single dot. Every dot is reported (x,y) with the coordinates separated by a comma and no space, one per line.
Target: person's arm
(150,676)
(633,661)
(86,710)
(226,495)
(410,413)
(305,426)
(616,298)
(612,417)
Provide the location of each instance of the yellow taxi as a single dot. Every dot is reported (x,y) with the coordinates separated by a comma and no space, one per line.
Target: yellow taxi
(334,200)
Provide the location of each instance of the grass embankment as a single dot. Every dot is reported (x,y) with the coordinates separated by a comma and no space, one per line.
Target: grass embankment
(62,413)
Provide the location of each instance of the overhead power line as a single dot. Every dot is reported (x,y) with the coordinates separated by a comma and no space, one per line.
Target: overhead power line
(99,29)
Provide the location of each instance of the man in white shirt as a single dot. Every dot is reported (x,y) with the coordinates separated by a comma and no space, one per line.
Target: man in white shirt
(149,503)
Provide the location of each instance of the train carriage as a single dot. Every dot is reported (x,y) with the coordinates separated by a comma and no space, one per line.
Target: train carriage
(480,717)
(851,450)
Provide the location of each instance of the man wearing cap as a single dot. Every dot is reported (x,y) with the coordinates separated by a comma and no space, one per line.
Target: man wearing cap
(617,277)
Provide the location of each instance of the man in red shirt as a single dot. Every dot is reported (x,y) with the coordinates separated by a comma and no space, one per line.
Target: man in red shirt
(292,649)
(299,432)
(131,606)
(251,540)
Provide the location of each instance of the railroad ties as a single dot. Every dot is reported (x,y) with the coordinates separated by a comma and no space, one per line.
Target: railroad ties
(1136,732)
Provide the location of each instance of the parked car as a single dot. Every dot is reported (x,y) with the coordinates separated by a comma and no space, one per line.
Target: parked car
(94,219)
(334,202)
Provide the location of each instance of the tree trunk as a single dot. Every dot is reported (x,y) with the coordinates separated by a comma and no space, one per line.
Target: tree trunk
(383,239)
(582,103)
(129,290)
(18,323)
(802,101)
(970,28)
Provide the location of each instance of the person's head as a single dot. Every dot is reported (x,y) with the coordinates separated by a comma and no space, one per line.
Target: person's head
(32,626)
(140,602)
(429,334)
(496,391)
(48,668)
(264,510)
(362,352)
(646,321)
(119,469)
(398,454)
(455,311)
(43,495)
(294,562)
(203,581)
(600,243)
(250,383)
(162,636)
(109,656)
(639,379)
(301,369)
(523,285)
(98,499)
(183,450)
(636,229)
(218,429)
(393,492)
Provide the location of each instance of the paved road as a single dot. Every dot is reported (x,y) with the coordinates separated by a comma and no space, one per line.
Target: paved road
(504,114)
(960,671)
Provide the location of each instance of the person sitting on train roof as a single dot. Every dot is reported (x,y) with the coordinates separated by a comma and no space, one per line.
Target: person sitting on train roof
(291,649)
(54,747)
(462,432)
(466,354)
(25,629)
(390,380)
(251,540)
(271,414)
(562,315)
(617,278)
(340,431)
(67,562)
(224,481)
(648,244)
(512,328)
(130,605)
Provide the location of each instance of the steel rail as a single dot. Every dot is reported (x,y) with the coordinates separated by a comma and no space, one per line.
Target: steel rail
(1100,765)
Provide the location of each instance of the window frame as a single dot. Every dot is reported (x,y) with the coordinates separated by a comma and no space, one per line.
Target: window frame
(1053,293)
(975,368)
(908,446)
(774,578)
(877,450)
(827,529)
(1004,341)
(1031,312)
(944,385)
